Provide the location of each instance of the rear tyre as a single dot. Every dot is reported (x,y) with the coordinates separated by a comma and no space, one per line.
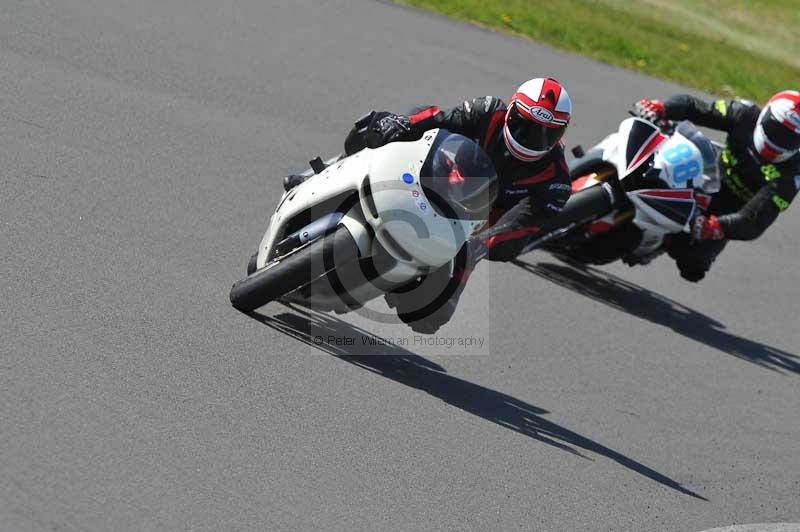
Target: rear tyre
(294,271)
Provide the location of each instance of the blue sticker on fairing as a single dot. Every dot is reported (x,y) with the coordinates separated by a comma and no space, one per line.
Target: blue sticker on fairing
(408,179)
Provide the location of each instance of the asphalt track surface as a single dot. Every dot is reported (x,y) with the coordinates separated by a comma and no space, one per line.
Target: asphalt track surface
(141,148)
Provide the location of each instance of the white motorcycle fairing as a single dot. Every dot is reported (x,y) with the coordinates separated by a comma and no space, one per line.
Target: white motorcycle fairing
(377,195)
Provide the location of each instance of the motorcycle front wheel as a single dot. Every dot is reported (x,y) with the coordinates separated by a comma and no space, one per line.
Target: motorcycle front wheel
(295,270)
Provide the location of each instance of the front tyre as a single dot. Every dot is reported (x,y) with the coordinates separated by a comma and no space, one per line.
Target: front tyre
(295,270)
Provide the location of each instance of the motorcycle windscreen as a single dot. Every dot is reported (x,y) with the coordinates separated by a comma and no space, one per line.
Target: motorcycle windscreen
(458,178)
(710,181)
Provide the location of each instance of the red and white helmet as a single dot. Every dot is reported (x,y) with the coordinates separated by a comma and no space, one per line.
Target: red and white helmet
(537,117)
(777,133)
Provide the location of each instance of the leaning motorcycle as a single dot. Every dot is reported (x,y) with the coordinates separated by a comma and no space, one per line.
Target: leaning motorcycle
(376,221)
(632,192)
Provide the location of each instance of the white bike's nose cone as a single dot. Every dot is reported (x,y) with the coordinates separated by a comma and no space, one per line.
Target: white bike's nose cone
(405,220)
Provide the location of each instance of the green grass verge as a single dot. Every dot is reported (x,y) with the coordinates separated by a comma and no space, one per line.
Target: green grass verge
(746,48)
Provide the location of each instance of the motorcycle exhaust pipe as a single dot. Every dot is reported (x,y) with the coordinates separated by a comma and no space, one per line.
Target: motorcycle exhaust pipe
(312,231)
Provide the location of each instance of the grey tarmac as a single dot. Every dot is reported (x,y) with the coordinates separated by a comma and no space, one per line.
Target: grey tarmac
(142,146)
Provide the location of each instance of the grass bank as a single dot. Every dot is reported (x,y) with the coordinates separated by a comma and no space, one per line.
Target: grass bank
(725,47)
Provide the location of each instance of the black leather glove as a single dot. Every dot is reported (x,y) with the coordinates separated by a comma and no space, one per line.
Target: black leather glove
(375,130)
(386,128)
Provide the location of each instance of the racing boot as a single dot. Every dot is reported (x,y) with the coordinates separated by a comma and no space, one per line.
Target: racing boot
(429,302)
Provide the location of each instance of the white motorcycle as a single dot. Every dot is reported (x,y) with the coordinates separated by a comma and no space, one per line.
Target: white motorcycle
(370,223)
(633,192)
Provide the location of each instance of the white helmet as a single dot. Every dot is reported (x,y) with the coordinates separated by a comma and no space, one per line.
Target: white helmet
(537,117)
(777,133)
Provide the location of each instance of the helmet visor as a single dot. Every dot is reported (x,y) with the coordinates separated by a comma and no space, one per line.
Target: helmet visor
(531,134)
(778,134)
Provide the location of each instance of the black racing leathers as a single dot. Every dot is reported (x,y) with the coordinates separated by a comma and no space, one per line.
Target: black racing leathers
(754,192)
(544,182)
(529,192)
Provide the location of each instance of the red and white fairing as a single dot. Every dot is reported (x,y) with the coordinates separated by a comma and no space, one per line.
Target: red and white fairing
(658,211)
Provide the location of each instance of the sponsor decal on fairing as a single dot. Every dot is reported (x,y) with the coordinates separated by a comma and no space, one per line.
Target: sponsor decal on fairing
(421,203)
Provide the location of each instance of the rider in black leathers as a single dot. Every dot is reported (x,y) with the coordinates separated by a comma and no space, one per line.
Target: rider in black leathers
(760,170)
(523,141)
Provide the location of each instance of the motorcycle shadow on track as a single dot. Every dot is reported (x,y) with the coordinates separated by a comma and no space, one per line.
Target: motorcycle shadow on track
(401,365)
(643,303)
